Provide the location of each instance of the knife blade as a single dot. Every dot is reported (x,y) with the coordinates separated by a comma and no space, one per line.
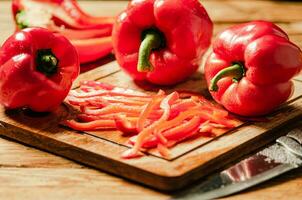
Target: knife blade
(281,157)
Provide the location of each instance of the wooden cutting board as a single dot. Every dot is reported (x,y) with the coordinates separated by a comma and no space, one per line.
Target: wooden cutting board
(189,161)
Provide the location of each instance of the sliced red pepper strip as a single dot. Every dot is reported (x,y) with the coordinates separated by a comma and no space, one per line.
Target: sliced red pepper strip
(124,125)
(112,109)
(122,93)
(104,99)
(148,143)
(72,8)
(128,154)
(176,134)
(90,126)
(92,49)
(181,106)
(165,105)
(195,111)
(148,109)
(181,131)
(163,150)
(161,138)
(98,85)
(89,118)
(70,23)
(73,34)
(212,129)
(178,120)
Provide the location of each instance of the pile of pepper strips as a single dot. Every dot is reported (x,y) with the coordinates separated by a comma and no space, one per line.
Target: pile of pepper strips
(248,63)
(154,121)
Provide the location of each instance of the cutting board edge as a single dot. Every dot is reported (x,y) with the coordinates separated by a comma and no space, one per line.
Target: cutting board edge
(163,182)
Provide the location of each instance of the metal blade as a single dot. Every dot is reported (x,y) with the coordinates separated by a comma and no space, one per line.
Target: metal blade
(266,164)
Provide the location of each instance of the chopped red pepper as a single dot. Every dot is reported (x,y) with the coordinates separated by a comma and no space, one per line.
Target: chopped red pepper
(96,85)
(148,109)
(183,131)
(163,150)
(125,125)
(166,106)
(89,126)
(158,121)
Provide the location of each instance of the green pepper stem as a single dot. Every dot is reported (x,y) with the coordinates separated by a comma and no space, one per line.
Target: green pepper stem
(20,20)
(235,71)
(152,40)
(47,62)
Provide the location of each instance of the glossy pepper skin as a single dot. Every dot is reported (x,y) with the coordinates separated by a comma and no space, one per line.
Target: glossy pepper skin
(37,69)
(162,41)
(250,68)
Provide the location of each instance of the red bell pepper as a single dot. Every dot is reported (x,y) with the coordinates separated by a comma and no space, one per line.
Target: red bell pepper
(90,35)
(37,69)
(162,41)
(250,68)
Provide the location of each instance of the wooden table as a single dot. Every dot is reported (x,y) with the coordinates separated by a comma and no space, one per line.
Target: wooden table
(27,173)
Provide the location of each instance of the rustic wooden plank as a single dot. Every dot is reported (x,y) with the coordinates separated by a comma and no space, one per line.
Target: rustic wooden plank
(68,183)
(288,185)
(58,184)
(17,155)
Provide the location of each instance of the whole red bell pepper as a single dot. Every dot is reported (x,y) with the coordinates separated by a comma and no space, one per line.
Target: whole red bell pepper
(250,68)
(162,41)
(37,69)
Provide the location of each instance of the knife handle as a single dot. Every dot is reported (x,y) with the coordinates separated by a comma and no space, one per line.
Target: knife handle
(292,142)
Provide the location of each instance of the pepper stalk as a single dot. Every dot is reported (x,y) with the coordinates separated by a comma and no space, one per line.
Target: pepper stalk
(235,71)
(152,40)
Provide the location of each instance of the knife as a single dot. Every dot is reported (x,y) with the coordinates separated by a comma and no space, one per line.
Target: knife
(283,156)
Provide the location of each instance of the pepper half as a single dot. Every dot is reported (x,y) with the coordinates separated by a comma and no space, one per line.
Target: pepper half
(250,68)
(90,35)
(37,69)
(162,41)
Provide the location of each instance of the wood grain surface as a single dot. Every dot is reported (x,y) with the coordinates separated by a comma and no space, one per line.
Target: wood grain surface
(26,173)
